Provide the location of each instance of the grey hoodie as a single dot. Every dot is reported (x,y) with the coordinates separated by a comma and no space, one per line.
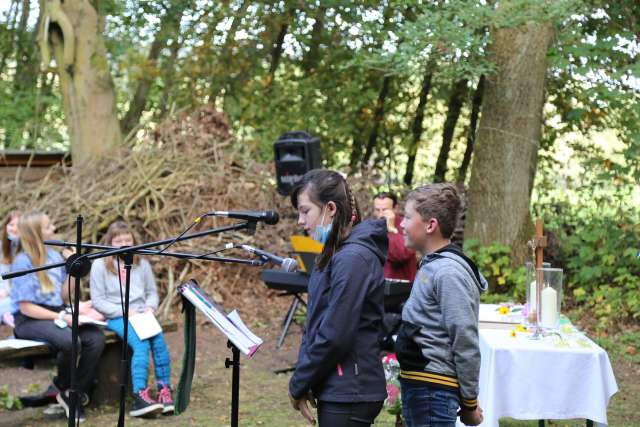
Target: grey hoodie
(105,289)
(438,340)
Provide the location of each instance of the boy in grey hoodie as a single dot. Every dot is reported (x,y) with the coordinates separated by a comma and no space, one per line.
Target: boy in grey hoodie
(437,345)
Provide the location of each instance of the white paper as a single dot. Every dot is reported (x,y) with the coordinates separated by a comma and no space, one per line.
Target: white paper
(232,326)
(146,325)
(243,343)
(83,319)
(234,316)
(490,313)
(18,344)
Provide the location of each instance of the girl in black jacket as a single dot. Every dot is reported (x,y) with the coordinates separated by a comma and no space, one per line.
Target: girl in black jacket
(339,369)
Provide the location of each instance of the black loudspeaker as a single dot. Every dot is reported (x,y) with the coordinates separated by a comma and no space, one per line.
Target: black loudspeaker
(295,154)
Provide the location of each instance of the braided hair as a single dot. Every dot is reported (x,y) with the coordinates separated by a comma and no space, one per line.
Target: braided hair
(324,186)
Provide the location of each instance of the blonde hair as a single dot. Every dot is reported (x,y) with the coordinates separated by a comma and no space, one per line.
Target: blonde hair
(32,241)
(116,229)
(7,250)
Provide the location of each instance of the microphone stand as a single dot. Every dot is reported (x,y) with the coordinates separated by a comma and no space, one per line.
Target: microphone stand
(78,265)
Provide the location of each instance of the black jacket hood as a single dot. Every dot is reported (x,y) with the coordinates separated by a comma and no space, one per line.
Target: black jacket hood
(372,234)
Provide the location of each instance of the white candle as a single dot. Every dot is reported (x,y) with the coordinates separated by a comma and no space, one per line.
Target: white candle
(532,297)
(549,307)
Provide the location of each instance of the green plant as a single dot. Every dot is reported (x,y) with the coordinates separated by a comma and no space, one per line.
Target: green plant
(494,262)
(8,401)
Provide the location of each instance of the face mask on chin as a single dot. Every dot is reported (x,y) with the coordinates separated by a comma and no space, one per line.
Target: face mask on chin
(322,232)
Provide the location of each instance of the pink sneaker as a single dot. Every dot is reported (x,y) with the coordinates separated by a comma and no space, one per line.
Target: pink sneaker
(144,405)
(164,397)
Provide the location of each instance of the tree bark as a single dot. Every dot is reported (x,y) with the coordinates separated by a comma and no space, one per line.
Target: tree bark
(219,83)
(312,57)
(505,158)
(416,129)
(456,99)
(476,103)
(169,26)
(378,119)
(88,95)
(276,52)
(168,75)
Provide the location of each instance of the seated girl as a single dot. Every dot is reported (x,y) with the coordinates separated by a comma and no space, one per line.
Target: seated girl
(10,245)
(107,288)
(40,315)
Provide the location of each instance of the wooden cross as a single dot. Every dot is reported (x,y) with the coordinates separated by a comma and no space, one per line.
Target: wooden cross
(539,243)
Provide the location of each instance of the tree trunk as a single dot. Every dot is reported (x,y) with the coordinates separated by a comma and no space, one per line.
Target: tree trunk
(225,53)
(276,52)
(169,71)
(476,103)
(456,99)
(88,95)
(22,45)
(312,57)
(169,27)
(505,158)
(378,119)
(416,129)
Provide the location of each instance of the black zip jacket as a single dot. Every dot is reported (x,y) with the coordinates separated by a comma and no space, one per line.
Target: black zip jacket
(339,358)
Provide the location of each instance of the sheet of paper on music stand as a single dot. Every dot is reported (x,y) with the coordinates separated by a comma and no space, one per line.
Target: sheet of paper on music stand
(145,325)
(232,326)
(234,316)
(18,344)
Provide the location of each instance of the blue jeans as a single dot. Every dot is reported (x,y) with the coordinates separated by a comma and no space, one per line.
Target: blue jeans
(426,406)
(140,359)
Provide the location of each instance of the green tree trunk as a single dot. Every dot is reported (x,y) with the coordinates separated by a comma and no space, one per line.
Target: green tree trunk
(476,103)
(88,95)
(169,27)
(378,120)
(416,129)
(506,151)
(456,99)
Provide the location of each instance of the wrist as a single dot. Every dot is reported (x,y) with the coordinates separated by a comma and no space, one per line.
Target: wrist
(59,320)
(468,405)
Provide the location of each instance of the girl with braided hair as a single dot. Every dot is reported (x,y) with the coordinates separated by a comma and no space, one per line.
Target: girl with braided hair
(339,371)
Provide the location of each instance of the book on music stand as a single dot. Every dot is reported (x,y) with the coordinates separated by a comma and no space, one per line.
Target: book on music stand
(229,324)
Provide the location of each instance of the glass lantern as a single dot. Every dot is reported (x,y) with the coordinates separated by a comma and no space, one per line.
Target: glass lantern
(530,311)
(549,297)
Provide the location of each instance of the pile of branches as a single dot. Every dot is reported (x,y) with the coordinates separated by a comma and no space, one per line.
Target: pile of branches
(159,183)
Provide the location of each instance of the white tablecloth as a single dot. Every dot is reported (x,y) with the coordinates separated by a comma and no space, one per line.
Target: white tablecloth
(530,380)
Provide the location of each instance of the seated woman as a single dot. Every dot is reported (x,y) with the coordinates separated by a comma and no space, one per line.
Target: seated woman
(10,245)
(40,316)
(107,288)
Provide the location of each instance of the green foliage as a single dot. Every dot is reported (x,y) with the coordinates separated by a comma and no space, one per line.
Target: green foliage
(494,262)
(600,255)
(8,401)
(624,345)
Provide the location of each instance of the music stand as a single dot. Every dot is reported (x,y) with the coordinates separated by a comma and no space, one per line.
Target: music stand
(78,265)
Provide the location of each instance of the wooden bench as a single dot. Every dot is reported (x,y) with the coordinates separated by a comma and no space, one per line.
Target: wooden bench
(108,376)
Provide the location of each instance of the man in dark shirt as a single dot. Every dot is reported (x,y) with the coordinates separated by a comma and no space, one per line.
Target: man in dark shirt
(401,261)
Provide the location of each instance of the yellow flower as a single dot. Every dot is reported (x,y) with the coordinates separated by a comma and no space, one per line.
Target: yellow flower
(513,333)
(521,328)
(504,310)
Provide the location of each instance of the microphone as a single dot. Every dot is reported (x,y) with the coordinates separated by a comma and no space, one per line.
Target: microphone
(286,264)
(268,217)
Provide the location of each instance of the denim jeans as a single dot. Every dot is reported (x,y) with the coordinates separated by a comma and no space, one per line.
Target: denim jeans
(140,359)
(426,406)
